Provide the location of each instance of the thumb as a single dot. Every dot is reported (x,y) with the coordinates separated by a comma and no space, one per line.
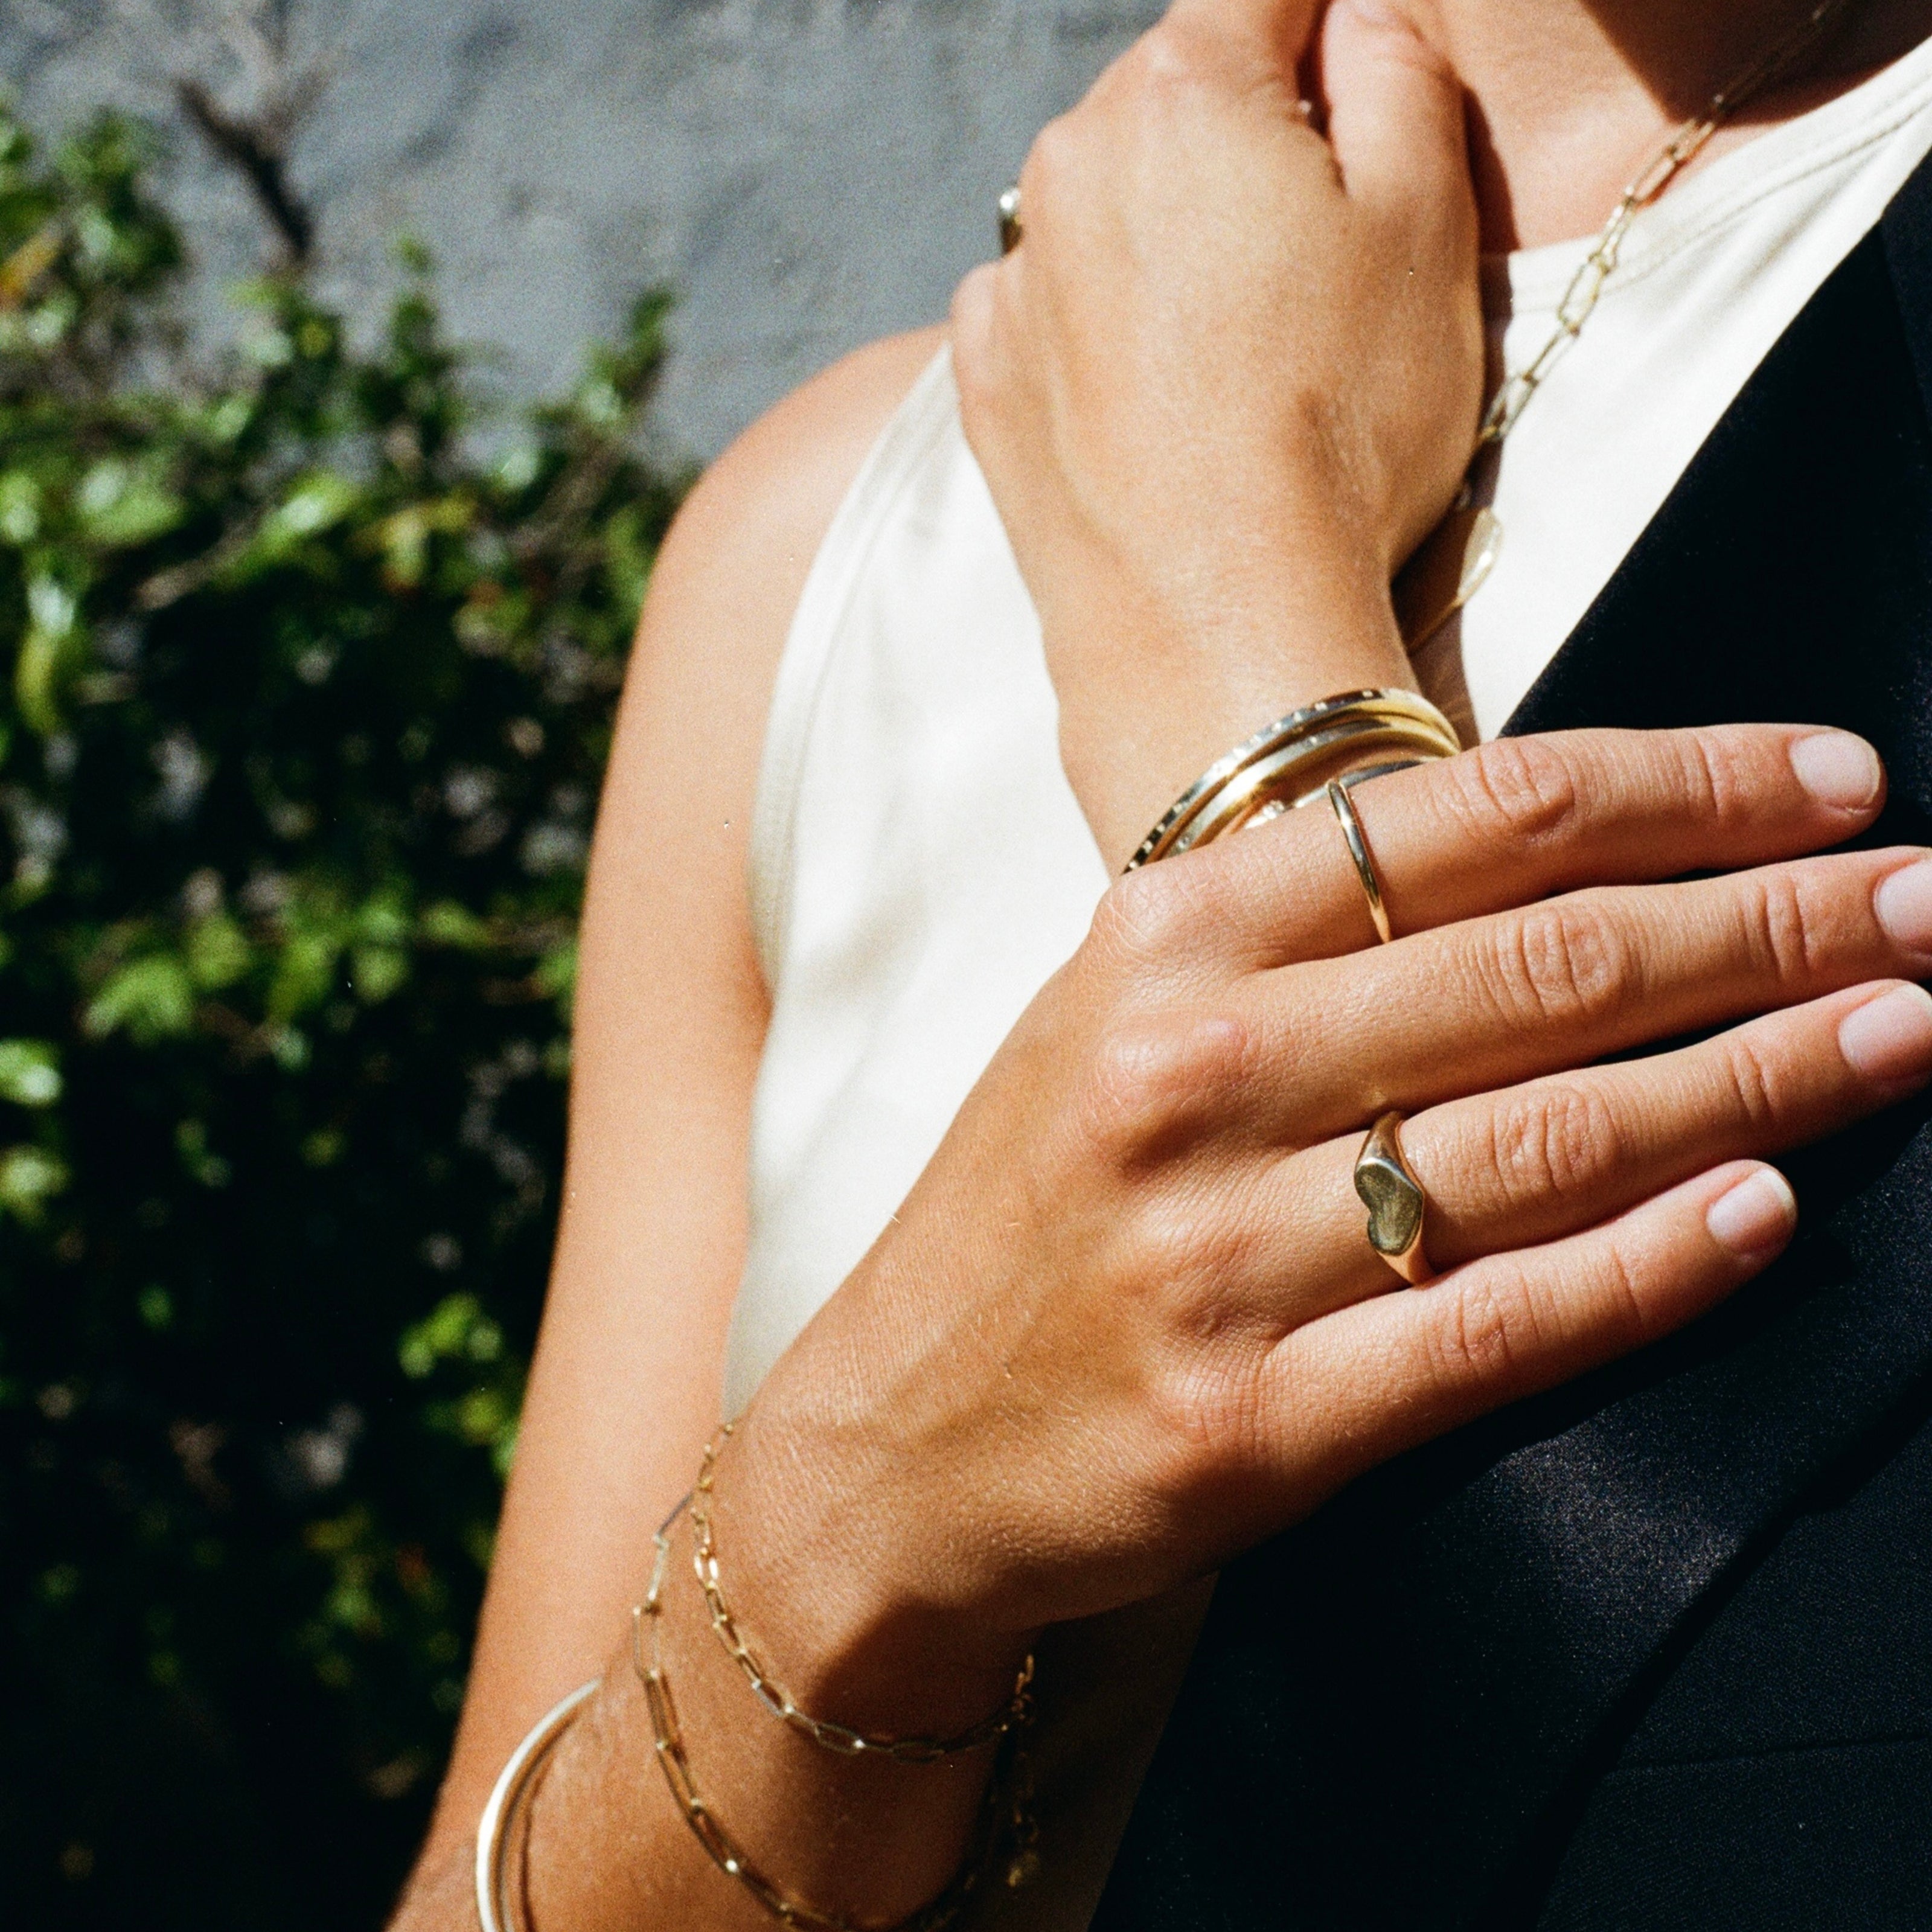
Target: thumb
(1394,109)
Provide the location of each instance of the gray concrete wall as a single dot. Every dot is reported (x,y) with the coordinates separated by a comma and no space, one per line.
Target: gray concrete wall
(807,174)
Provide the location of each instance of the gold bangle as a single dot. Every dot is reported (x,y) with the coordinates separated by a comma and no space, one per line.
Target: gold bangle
(512,1787)
(840,1739)
(1006,1814)
(1286,780)
(1288,762)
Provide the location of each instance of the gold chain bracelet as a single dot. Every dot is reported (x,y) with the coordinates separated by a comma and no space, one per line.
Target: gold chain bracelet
(1006,1813)
(839,1738)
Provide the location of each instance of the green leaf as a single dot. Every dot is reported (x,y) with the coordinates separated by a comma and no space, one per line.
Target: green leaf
(381,921)
(218,952)
(446,923)
(35,672)
(441,1334)
(20,507)
(120,507)
(289,1046)
(152,998)
(208,1169)
(314,504)
(28,1177)
(304,973)
(256,609)
(555,975)
(377,971)
(48,647)
(29,1072)
(627,557)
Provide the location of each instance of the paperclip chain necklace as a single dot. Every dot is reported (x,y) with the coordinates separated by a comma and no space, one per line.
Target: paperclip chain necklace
(1449,568)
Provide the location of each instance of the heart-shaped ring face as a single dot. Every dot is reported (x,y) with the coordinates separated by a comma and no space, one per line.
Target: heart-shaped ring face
(1394,1203)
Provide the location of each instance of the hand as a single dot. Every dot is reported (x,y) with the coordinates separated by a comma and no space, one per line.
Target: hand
(1127,1323)
(1229,380)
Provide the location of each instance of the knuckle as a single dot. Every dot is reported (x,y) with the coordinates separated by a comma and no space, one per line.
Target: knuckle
(1515,790)
(1150,1087)
(1179,1253)
(1052,161)
(1566,963)
(1777,926)
(1713,771)
(1622,1312)
(1488,1329)
(1165,58)
(1209,1411)
(1558,1140)
(1151,914)
(1500,1329)
(1201,1383)
(1754,1088)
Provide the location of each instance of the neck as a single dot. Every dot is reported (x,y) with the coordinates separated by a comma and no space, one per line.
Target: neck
(1568,98)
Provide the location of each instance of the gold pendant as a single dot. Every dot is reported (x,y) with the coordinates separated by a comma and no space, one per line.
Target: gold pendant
(1446,571)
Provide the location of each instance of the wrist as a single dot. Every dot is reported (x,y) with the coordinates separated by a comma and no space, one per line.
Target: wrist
(738,1808)
(1168,679)
(840,1602)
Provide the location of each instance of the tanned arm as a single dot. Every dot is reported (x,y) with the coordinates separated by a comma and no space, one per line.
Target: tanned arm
(671,1018)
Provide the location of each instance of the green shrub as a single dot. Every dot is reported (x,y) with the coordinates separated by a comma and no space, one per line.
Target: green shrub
(308,678)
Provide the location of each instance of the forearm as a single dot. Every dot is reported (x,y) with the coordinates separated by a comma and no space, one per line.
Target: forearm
(834,1598)
(608,1846)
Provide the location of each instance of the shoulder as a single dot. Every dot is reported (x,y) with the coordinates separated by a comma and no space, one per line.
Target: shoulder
(722,595)
(690,727)
(745,538)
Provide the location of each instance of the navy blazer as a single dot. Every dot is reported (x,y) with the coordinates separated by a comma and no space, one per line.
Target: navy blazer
(1654,1651)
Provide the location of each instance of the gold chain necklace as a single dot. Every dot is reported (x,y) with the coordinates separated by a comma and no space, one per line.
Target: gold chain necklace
(1459,553)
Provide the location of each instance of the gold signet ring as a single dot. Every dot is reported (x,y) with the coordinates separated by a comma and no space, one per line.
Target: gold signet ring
(1358,850)
(1396,1202)
(1010,221)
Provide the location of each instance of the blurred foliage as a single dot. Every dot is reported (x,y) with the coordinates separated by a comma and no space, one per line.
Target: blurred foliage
(310,670)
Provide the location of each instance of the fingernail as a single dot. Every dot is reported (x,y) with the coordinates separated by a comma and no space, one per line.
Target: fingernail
(1757,1214)
(1903,904)
(1838,769)
(1890,1038)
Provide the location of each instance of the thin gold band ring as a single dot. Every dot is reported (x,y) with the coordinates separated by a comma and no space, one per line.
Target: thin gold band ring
(1358,850)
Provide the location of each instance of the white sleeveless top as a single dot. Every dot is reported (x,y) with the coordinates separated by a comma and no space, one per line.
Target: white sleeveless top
(920,867)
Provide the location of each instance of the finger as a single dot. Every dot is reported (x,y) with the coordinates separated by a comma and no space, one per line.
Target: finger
(1347,1392)
(1490,1002)
(1281,31)
(1549,1158)
(1394,112)
(1504,825)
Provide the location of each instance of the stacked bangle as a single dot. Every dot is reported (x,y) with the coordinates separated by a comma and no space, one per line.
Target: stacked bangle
(1361,733)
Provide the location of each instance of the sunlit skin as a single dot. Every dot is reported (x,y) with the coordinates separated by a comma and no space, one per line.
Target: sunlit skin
(1197,1158)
